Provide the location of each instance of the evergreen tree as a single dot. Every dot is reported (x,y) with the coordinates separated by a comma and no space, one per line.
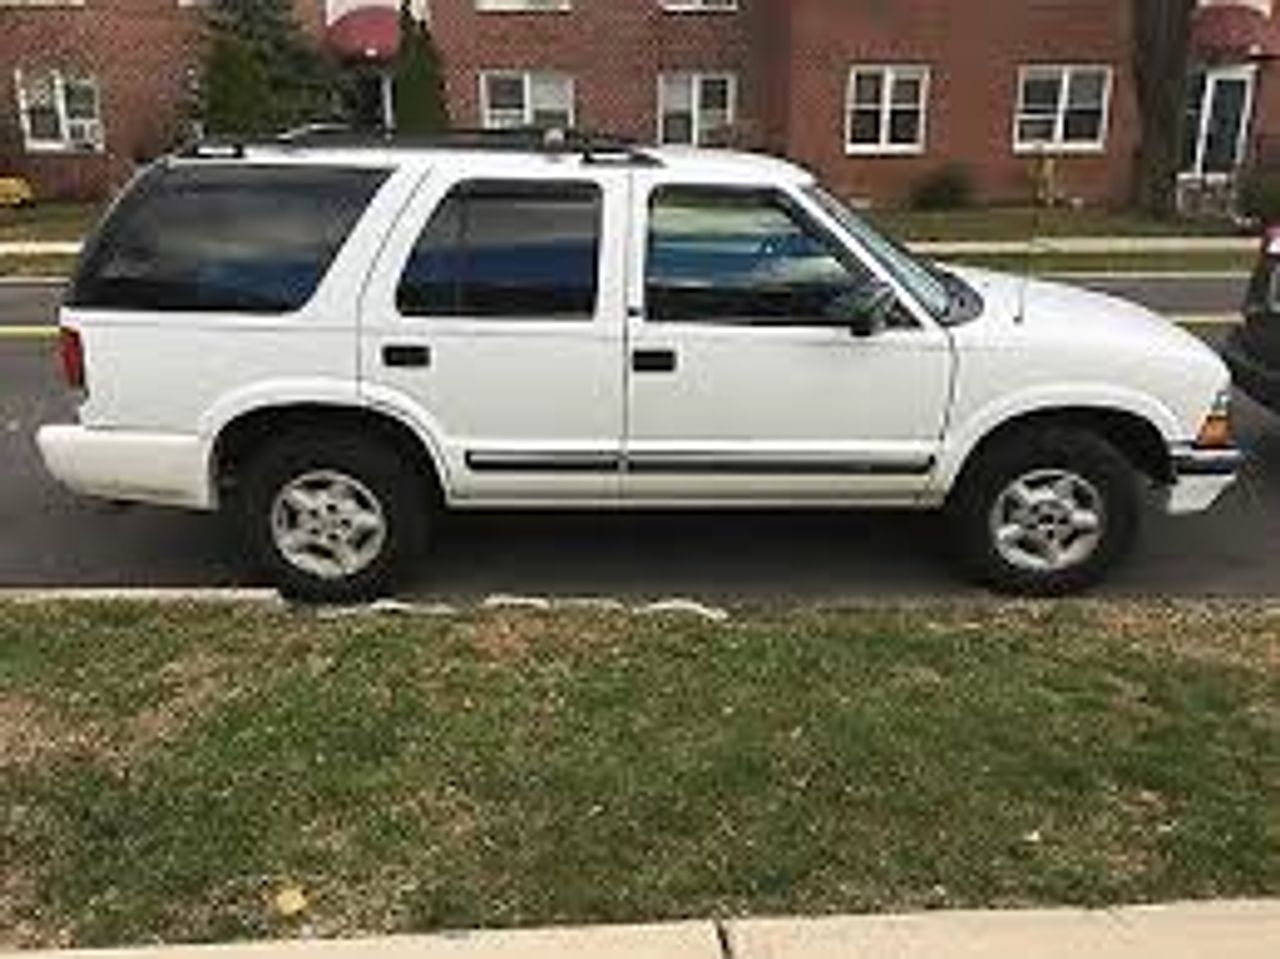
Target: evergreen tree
(261,73)
(420,107)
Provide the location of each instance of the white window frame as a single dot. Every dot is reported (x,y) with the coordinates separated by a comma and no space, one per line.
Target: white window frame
(700,6)
(1058,145)
(890,72)
(66,144)
(1249,74)
(696,78)
(523,6)
(526,77)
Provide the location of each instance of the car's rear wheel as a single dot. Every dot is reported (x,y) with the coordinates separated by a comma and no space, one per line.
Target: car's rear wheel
(1045,512)
(332,517)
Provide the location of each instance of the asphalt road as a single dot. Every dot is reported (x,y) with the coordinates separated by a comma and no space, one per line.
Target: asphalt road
(51,538)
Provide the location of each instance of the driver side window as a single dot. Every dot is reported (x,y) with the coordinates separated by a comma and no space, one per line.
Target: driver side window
(747,257)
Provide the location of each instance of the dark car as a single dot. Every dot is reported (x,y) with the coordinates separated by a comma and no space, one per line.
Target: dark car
(1253,350)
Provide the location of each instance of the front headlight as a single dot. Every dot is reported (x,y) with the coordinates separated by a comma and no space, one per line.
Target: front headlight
(1215,432)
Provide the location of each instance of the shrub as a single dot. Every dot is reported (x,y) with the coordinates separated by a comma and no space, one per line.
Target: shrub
(1259,195)
(946,188)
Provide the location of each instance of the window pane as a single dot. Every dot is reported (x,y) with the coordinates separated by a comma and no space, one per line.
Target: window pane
(507,250)
(1226,117)
(717,256)
(904,127)
(677,93)
(908,90)
(82,99)
(868,88)
(714,94)
(44,124)
(1087,89)
(548,119)
(864,127)
(550,92)
(237,239)
(40,92)
(677,128)
(1041,92)
(505,92)
(1036,130)
(716,129)
(1082,126)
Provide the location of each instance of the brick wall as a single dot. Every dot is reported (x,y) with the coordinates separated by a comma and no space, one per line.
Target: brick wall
(792,58)
(974,51)
(615,50)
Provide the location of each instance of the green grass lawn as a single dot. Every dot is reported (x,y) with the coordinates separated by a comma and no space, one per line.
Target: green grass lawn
(1017,223)
(49,221)
(167,771)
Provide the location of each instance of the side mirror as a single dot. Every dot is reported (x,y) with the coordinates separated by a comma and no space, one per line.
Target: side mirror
(865,309)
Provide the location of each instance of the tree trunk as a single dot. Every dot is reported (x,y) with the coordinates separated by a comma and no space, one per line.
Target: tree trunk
(1161,52)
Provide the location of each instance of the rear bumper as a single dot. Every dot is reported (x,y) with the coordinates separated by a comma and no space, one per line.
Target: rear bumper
(163,468)
(1200,477)
(1256,378)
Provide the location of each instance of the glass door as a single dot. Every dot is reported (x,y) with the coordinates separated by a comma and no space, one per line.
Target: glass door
(1219,112)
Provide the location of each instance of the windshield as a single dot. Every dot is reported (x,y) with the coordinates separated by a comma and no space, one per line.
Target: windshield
(928,287)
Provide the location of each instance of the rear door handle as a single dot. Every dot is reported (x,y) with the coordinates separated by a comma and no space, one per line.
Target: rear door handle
(403,354)
(654,361)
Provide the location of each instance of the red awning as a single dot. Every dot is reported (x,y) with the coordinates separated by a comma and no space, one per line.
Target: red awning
(368,33)
(1233,32)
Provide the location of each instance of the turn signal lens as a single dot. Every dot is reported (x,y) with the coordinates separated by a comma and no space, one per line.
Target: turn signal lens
(1215,433)
(71,350)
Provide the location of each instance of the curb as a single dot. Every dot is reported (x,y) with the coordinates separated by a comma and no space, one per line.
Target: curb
(44,332)
(1223,929)
(112,594)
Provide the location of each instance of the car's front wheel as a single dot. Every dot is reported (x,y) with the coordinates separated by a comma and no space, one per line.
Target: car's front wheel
(1045,512)
(332,517)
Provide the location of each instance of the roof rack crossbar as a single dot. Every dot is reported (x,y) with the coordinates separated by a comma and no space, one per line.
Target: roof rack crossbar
(594,148)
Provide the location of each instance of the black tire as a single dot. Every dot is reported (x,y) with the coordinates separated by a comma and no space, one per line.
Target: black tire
(1024,453)
(402,498)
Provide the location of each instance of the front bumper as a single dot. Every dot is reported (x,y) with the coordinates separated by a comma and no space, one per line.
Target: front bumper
(164,468)
(1200,476)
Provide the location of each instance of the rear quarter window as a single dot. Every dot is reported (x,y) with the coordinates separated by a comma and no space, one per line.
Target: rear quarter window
(246,239)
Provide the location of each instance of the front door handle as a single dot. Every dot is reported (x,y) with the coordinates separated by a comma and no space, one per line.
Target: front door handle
(403,354)
(654,361)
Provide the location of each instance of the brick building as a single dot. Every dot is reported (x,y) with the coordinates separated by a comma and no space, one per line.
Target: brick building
(874,94)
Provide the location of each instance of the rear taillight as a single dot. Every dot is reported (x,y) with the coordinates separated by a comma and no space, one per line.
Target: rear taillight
(71,349)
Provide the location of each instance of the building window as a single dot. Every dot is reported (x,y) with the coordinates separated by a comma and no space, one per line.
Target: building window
(887,109)
(1062,108)
(522,6)
(515,99)
(697,108)
(58,111)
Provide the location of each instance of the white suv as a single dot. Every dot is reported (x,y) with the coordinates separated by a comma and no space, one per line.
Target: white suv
(331,342)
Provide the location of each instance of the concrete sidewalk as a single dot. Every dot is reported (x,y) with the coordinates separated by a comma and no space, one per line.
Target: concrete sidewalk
(1210,930)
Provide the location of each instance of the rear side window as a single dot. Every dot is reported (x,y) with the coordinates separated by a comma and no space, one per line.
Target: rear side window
(245,239)
(498,249)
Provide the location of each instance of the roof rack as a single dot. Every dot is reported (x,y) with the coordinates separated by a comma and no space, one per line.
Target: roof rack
(594,148)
